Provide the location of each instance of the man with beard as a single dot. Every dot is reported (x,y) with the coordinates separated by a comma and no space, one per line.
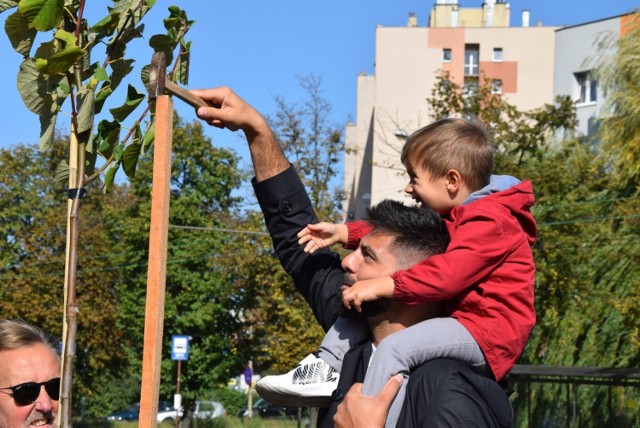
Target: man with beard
(441,392)
(29,376)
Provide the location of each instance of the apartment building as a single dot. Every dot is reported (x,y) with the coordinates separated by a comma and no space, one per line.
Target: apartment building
(528,65)
(577,52)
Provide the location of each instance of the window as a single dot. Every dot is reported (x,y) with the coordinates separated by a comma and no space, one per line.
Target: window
(471,60)
(446,55)
(496,86)
(587,88)
(497,54)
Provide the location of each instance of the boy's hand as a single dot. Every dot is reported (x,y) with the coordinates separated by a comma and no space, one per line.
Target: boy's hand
(320,235)
(367,290)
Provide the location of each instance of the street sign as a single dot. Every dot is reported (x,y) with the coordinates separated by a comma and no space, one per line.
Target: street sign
(247,375)
(179,348)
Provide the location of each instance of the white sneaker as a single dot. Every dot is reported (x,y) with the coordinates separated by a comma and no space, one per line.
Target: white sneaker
(308,385)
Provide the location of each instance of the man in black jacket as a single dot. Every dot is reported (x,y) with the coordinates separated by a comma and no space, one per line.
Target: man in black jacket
(439,392)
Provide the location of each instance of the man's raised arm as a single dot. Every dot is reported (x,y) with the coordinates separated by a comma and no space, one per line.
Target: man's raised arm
(230,111)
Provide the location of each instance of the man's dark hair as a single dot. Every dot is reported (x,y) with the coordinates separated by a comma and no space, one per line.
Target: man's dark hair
(418,232)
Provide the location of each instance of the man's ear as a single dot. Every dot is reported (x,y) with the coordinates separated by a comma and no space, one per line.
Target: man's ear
(453,180)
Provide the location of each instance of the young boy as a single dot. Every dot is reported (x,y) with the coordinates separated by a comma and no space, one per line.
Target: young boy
(485,278)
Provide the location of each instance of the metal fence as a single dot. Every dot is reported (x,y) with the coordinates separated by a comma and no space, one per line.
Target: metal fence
(572,377)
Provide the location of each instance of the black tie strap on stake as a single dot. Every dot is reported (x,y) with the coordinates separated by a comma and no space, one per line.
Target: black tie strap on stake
(77,193)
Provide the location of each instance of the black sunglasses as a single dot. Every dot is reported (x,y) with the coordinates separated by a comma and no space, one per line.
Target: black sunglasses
(28,392)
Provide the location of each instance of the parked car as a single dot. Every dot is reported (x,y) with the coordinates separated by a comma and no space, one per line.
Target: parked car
(208,410)
(133,412)
(130,414)
(201,410)
(166,412)
(266,410)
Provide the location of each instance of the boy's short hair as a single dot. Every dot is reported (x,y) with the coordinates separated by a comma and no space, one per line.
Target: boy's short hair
(461,144)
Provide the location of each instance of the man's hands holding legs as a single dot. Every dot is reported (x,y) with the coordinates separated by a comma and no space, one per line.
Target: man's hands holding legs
(357,410)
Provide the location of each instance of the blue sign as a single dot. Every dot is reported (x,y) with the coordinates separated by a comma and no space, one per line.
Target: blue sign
(179,348)
(247,375)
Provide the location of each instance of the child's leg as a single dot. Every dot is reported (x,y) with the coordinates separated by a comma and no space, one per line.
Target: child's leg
(343,335)
(409,348)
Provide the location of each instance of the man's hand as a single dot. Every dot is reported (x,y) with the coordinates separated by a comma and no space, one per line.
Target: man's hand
(367,290)
(228,110)
(357,410)
(321,235)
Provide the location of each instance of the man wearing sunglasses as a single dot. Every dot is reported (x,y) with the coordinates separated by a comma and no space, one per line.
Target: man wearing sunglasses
(29,376)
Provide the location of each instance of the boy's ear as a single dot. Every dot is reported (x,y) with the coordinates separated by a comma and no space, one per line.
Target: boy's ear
(453,180)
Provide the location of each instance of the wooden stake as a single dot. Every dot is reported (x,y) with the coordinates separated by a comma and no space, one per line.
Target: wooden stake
(157,272)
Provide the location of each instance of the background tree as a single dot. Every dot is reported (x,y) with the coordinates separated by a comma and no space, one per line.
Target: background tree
(61,69)
(312,144)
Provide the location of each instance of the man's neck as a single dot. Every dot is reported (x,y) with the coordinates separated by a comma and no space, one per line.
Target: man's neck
(383,328)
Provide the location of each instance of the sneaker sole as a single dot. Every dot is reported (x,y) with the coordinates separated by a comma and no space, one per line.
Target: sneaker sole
(292,400)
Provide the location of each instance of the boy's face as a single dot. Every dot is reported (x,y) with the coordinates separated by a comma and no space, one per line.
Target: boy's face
(429,191)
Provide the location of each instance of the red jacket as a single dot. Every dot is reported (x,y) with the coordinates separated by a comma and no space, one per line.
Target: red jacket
(486,275)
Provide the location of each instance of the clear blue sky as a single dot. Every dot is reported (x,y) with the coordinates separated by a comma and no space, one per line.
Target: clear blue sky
(260,48)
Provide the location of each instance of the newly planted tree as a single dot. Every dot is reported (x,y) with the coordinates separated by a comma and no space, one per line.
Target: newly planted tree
(78,70)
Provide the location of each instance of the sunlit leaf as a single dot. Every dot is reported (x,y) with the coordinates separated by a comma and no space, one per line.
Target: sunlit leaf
(8,4)
(61,60)
(134,98)
(109,179)
(43,15)
(61,176)
(86,102)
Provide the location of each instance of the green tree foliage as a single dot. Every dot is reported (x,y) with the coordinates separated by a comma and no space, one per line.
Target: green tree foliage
(587,298)
(618,73)
(33,256)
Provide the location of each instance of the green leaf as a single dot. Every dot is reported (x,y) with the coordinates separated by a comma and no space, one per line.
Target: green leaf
(109,179)
(149,137)
(107,136)
(144,75)
(61,60)
(61,176)
(120,69)
(117,153)
(162,43)
(32,86)
(101,74)
(86,103)
(130,158)
(48,119)
(7,4)
(181,72)
(19,33)
(102,95)
(134,98)
(43,15)
(106,26)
